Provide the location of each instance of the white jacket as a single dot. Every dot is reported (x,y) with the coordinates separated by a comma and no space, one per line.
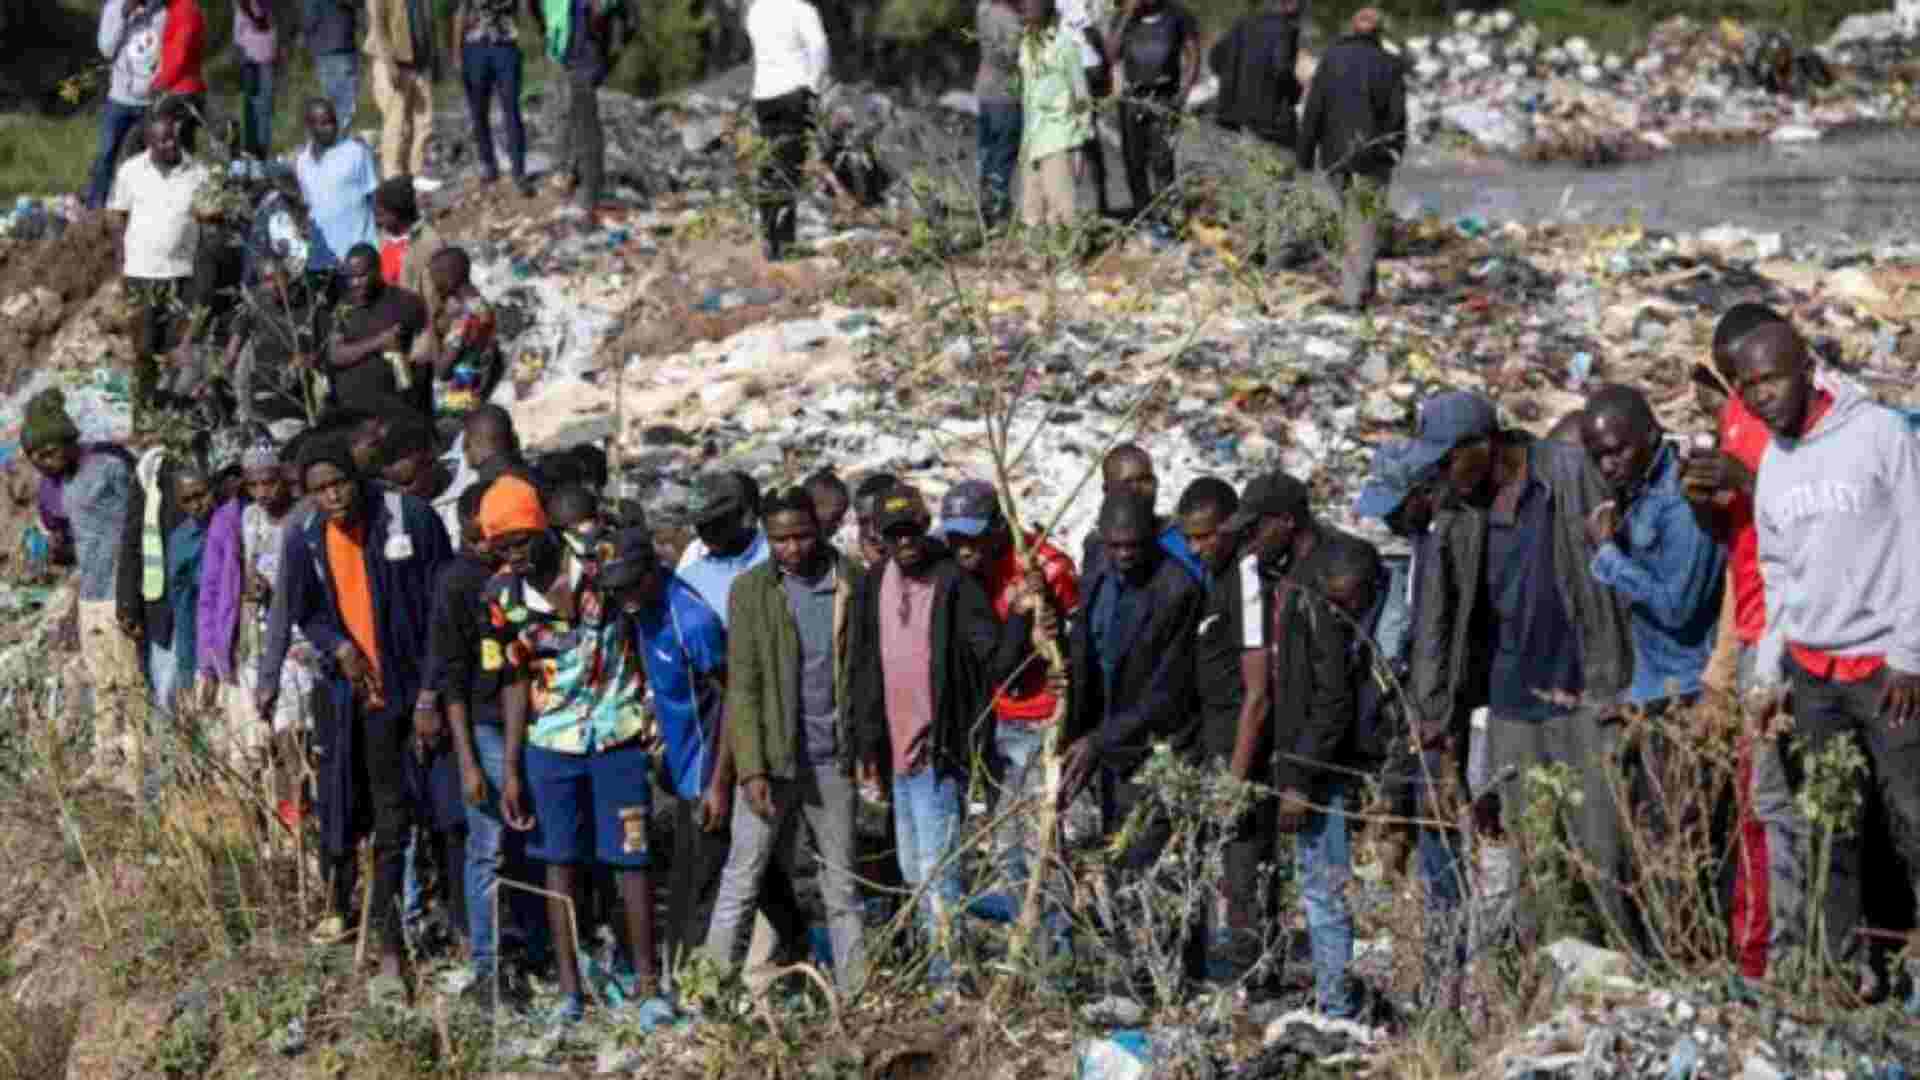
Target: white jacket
(789,48)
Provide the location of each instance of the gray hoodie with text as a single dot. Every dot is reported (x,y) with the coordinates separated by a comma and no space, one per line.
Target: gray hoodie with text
(1838,515)
(130,40)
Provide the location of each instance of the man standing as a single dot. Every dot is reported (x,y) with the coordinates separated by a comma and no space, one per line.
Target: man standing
(371,355)
(790,61)
(1354,128)
(927,655)
(183,51)
(1258,91)
(577,643)
(1836,505)
(361,570)
(130,33)
(1054,99)
(463,346)
(408,240)
(1030,599)
(1157,45)
(731,544)
(582,36)
(790,668)
(866,508)
(1321,664)
(255,38)
(1132,671)
(400,43)
(832,502)
(337,181)
(328,26)
(83,501)
(1512,618)
(1649,547)
(996,88)
(152,204)
(485,51)
(1272,531)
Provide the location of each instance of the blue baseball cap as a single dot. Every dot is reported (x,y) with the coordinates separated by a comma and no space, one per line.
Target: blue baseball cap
(1391,480)
(1446,421)
(970,508)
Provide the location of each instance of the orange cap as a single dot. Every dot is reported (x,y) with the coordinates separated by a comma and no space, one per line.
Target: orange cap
(511,505)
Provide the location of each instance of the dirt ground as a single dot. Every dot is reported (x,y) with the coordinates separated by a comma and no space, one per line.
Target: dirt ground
(72,267)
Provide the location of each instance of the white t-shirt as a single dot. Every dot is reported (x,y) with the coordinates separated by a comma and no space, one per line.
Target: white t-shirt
(789,47)
(162,236)
(1077,16)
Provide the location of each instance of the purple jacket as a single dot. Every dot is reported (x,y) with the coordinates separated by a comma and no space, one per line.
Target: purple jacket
(222,580)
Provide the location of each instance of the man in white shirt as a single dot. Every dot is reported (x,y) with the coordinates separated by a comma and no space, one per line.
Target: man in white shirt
(790,59)
(152,205)
(337,177)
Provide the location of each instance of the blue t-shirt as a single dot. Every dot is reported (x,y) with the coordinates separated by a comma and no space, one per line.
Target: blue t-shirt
(338,188)
(713,576)
(685,646)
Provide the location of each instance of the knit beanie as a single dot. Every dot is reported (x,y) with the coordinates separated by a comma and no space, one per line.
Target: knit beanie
(47,422)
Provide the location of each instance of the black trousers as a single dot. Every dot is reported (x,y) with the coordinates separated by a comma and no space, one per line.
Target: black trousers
(786,123)
(381,758)
(1149,124)
(1824,711)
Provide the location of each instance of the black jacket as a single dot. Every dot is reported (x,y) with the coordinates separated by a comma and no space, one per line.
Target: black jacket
(455,666)
(1258,87)
(972,654)
(156,617)
(1152,696)
(1355,120)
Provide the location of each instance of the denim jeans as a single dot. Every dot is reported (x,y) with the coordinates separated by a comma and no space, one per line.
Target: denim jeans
(339,76)
(256,109)
(489,72)
(116,122)
(1324,864)
(1020,775)
(492,849)
(926,815)
(163,674)
(998,131)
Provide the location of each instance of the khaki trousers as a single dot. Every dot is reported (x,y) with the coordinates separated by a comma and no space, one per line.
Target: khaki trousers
(1047,190)
(404,96)
(119,692)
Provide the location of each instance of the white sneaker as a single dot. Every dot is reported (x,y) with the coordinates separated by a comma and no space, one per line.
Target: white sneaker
(427,185)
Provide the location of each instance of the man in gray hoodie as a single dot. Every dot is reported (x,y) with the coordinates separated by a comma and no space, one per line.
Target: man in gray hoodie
(130,40)
(1836,507)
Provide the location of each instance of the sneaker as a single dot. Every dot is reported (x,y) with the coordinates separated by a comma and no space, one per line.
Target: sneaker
(649,1015)
(427,185)
(524,186)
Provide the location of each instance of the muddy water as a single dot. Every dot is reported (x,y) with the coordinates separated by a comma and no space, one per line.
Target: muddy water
(1862,185)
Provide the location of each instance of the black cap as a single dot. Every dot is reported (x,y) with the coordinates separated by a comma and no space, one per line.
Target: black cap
(901,504)
(632,557)
(718,495)
(1269,495)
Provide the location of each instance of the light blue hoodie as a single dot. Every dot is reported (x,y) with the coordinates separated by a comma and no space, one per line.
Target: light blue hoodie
(1838,513)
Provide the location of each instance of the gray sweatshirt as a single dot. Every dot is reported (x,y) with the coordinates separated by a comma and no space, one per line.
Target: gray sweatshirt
(132,48)
(1837,512)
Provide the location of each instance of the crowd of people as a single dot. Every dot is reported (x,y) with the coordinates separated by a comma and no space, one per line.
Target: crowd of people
(489,662)
(1044,75)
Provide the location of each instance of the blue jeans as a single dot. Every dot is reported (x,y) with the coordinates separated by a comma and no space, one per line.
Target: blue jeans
(926,815)
(163,673)
(998,129)
(491,71)
(256,109)
(492,848)
(116,121)
(1324,863)
(339,76)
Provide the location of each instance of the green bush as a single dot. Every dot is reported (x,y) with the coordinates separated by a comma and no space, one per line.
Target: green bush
(667,49)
